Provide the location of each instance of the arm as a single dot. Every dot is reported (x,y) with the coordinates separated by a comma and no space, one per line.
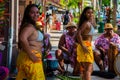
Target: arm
(93,22)
(98,44)
(116,42)
(47,44)
(80,31)
(79,37)
(25,34)
(101,49)
(49,47)
(61,45)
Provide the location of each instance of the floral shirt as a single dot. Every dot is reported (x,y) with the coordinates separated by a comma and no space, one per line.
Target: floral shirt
(104,42)
(69,44)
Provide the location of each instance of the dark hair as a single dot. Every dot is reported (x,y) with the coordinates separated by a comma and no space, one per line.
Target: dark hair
(27,19)
(67,12)
(83,17)
(26,16)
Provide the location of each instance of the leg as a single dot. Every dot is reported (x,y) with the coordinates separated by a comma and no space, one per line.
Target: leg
(60,58)
(98,60)
(81,70)
(76,70)
(88,70)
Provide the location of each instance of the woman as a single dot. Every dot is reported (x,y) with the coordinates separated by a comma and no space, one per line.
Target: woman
(106,48)
(50,21)
(84,48)
(29,61)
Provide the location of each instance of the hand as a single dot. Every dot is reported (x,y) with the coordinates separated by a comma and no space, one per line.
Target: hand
(103,50)
(75,45)
(100,48)
(112,44)
(35,58)
(85,49)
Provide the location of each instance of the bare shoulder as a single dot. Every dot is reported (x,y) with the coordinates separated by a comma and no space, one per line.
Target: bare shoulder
(84,26)
(28,28)
(87,24)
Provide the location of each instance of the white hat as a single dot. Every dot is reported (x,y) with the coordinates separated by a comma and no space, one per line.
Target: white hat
(71,24)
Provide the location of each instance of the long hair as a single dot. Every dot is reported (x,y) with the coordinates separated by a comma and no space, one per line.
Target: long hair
(27,19)
(83,17)
(26,16)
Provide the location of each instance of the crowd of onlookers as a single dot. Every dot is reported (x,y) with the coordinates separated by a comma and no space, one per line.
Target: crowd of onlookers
(54,20)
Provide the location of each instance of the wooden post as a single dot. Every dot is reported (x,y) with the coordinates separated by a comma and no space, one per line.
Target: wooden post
(44,10)
(114,12)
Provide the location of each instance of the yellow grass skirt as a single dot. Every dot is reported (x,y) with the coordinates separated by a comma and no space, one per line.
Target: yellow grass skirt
(27,69)
(85,57)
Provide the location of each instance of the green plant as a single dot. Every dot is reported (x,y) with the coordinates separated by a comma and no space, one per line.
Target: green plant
(75,20)
(67,77)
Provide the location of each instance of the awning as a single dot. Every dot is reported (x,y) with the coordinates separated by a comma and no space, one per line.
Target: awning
(62,10)
(48,3)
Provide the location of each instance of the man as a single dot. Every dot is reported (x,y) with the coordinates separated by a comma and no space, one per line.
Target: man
(67,50)
(106,48)
(66,19)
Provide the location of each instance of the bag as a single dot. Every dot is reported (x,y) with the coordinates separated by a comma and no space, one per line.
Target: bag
(104,74)
(52,64)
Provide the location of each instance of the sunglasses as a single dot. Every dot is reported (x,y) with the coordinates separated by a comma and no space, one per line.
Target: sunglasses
(109,29)
(71,27)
